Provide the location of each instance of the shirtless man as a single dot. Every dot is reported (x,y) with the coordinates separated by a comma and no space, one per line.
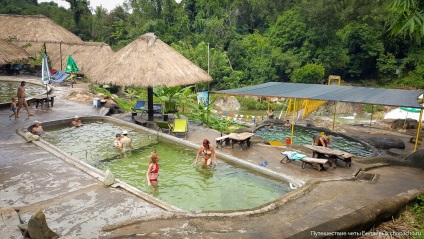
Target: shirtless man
(21,99)
(126,142)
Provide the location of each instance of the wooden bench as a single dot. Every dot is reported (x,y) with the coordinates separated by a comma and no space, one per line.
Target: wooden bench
(140,121)
(43,98)
(314,162)
(220,140)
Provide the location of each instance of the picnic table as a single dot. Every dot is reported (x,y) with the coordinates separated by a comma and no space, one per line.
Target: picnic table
(331,154)
(40,99)
(241,139)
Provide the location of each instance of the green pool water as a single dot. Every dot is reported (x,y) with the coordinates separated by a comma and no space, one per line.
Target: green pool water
(181,183)
(9,89)
(304,135)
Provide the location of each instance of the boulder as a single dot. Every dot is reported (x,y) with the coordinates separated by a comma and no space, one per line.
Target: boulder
(404,124)
(38,229)
(227,104)
(382,142)
(109,178)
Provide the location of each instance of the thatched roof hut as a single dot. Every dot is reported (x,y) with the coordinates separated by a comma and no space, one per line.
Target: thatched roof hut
(10,53)
(148,62)
(25,28)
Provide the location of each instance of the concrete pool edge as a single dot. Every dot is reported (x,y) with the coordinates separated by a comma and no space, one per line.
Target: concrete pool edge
(99,175)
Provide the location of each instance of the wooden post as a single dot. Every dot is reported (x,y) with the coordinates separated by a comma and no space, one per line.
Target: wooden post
(418,130)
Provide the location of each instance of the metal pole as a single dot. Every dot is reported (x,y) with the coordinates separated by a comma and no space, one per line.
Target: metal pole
(372,111)
(293,120)
(207,107)
(418,130)
(60,50)
(334,115)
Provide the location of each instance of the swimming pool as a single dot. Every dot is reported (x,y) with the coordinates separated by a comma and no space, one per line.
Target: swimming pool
(9,89)
(303,135)
(181,183)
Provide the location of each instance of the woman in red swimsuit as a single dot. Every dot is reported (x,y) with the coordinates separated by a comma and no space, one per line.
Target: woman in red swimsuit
(153,171)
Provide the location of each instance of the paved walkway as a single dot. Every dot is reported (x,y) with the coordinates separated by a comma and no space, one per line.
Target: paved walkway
(77,205)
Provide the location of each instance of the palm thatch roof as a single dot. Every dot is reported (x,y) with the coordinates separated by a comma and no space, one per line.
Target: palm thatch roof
(87,55)
(10,53)
(148,62)
(25,28)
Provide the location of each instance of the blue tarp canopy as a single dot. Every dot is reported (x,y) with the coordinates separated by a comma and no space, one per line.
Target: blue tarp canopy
(335,93)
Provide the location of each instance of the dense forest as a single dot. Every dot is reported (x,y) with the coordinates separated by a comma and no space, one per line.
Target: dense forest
(372,43)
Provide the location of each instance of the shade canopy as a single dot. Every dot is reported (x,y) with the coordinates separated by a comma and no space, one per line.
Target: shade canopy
(335,93)
(10,53)
(26,28)
(71,66)
(148,62)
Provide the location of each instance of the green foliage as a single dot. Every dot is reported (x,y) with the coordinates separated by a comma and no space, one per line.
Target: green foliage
(373,109)
(256,41)
(386,65)
(310,73)
(364,45)
(418,209)
(414,79)
(407,18)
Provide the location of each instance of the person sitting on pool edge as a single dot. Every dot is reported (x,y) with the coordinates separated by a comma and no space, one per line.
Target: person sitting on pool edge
(322,140)
(117,142)
(152,172)
(76,121)
(126,142)
(207,152)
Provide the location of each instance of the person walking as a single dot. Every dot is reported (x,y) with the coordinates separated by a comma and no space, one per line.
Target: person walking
(152,172)
(13,108)
(21,99)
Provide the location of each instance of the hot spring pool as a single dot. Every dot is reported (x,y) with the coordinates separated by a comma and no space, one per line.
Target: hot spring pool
(304,135)
(9,89)
(181,183)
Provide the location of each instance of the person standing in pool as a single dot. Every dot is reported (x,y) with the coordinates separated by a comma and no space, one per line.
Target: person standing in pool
(117,143)
(152,172)
(76,121)
(270,114)
(207,152)
(21,99)
(126,142)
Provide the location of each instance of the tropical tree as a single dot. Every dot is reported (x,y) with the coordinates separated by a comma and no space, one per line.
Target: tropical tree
(309,73)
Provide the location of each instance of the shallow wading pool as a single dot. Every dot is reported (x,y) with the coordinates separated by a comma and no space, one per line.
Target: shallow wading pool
(181,183)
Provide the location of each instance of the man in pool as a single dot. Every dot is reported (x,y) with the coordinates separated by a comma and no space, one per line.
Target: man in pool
(21,99)
(207,152)
(126,142)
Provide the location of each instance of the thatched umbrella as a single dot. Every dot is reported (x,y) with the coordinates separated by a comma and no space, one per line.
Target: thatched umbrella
(25,28)
(10,53)
(148,62)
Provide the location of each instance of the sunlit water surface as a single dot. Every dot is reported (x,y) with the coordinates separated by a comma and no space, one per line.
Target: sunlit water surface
(304,136)
(181,183)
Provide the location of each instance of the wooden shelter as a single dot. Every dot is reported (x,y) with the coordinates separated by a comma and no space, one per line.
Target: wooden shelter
(29,28)
(34,31)
(148,62)
(10,53)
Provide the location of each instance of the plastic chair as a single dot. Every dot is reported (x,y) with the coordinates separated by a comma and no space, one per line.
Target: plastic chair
(180,127)
(57,75)
(164,126)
